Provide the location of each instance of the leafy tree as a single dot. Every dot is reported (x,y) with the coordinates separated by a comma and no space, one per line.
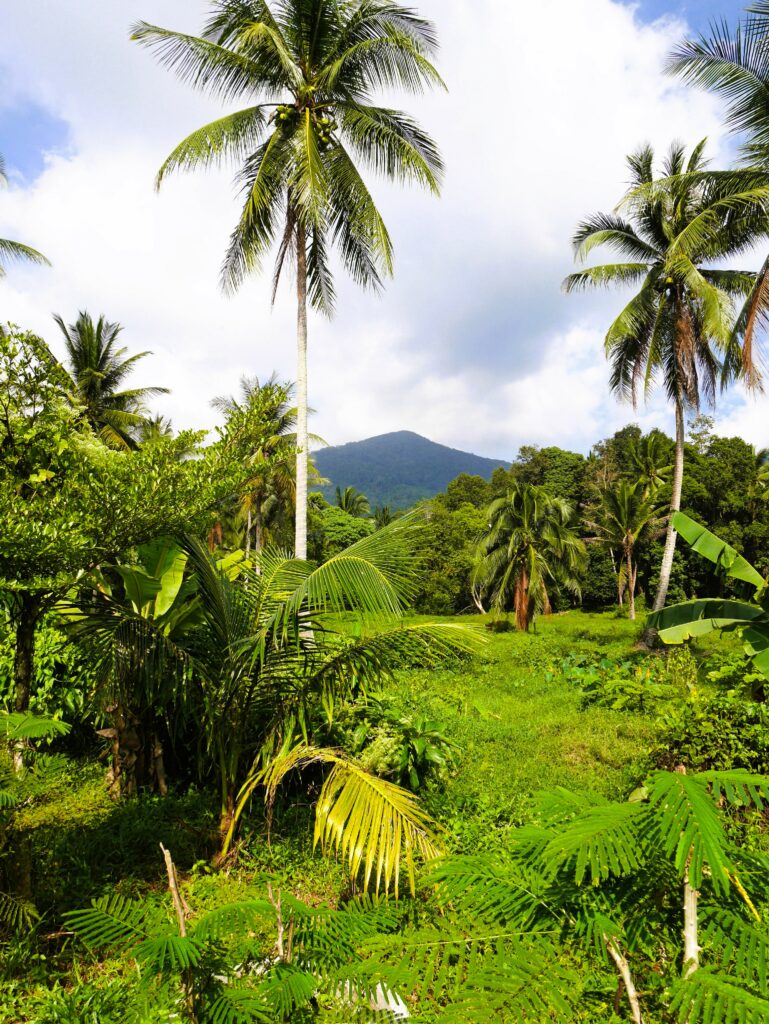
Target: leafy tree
(559,472)
(269,493)
(467,489)
(528,550)
(16,250)
(98,368)
(352,502)
(332,529)
(69,503)
(678,328)
(315,64)
(447,558)
(627,517)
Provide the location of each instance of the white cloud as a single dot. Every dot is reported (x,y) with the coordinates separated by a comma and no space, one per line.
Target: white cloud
(472,344)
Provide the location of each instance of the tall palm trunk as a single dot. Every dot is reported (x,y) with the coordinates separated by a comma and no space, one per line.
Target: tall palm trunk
(630,582)
(675,506)
(300,542)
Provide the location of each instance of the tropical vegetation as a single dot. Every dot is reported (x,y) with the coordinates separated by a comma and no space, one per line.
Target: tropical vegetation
(484,744)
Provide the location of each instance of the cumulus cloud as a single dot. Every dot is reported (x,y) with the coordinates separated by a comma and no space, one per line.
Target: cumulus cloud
(472,344)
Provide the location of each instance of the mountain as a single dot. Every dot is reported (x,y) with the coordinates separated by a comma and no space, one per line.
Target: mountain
(398,469)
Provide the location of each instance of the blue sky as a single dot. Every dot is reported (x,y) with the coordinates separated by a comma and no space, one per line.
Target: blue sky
(698,13)
(472,344)
(27,132)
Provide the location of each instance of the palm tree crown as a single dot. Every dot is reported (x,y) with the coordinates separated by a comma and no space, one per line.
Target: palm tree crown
(528,550)
(98,368)
(626,517)
(678,329)
(307,70)
(353,502)
(16,250)
(270,489)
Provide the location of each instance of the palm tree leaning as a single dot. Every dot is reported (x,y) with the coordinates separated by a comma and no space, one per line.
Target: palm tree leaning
(16,251)
(678,328)
(529,550)
(98,368)
(626,517)
(308,70)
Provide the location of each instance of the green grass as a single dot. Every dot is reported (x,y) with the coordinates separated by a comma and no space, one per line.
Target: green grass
(519,724)
(521,728)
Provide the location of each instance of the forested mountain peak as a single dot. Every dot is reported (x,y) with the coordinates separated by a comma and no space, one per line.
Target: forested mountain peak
(398,468)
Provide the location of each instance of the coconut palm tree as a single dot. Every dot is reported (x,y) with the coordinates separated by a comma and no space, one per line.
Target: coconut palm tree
(271,484)
(735,66)
(353,502)
(677,329)
(16,250)
(98,368)
(649,462)
(627,516)
(308,70)
(529,550)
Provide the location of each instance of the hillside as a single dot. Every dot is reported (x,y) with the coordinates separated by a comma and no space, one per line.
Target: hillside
(398,469)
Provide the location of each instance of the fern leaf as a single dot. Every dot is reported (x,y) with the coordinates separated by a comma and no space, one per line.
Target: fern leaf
(737,944)
(710,998)
(16,725)
(110,921)
(238,1005)
(603,841)
(689,826)
(16,913)
(168,953)
(232,918)
(286,988)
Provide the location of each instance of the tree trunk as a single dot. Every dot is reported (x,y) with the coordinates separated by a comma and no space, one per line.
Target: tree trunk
(630,584)
(675,505)
(258,528)
(691,945)
(300,541)
(248,534)
(24,661)
(626,977)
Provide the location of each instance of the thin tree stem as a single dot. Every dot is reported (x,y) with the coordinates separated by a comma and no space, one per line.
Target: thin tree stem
(627,978)
(300,542)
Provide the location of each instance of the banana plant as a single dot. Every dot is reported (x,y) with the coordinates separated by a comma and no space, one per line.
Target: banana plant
(750,618)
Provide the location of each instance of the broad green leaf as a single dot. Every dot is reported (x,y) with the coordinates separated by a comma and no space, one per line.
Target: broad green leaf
(718,551)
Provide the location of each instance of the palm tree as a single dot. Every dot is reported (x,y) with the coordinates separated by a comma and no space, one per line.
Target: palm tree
(678,327)
(98,368)
(736,67)
(271,484)
(649,462)
(626,517)
(16,250)
(352,502)
(245,655)
(529,549)
(308,70)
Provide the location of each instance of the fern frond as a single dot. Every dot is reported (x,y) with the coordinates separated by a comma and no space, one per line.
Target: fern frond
(738,946)
(233,918)
(168,953)
(604,841)
(16,913)
(707,997)
(690,827)
(110,921)
(16,725)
